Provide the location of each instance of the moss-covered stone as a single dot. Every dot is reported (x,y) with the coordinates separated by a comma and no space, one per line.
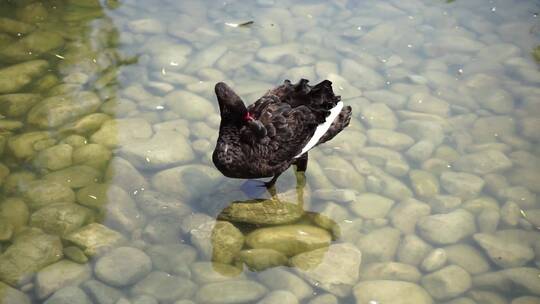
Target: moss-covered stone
(74,140)
(14,27)
(75,176)
(61,219)
(22,146)
(85,125)
(58,110)
(11,295)
(269,212)
(13,211)
(42,193)
(289,240)
(31,250)
(95,238)
(75,254)
(31,46)
(15,105)
(54,158)
(17,180)
(15,77)
(261,259)
(93,155)
(227,241)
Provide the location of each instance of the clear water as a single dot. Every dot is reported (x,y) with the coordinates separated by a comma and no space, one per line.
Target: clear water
(436,87)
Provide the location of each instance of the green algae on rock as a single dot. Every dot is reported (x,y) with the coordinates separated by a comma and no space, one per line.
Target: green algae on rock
(42,193)
(227,241)
(31,46)
(93,155)
(262,212)
(237,291)
(95,238)
(11,295)
(15,105)
(54,158)
(17,76)
(31,250)
(22,146)
(289,239)
(85,125)
(58,110)
(74,176)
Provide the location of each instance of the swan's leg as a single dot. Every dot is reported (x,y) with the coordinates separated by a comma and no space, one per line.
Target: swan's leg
(301,163)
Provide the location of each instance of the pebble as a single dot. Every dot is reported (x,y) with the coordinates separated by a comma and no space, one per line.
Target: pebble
(434,260)
(69,295)
(371,205)
(412,250)
(388,291)
(165,287)
(240,291)
(379,245)
(390,139)
(461,184)
(502,253)
(448,282)
(282,279)
(390,271)
(406,214)
(279,296)
(210,272)
(467,257)
(379,115)
(58,275)
(122,266)
(447,228)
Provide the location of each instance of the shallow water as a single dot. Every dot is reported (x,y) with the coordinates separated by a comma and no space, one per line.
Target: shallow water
(109,119)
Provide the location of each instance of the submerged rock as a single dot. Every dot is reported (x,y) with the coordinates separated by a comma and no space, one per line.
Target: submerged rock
(54,158)
(387,291)
(484,162)
(22,146)
(503,253)
(379,245)
(208,272)
(281,279)
(460,184)
(15,77)
(75,176)
(10,295)
(122,173)
(15,105)
(123,266)
(32,46)
(261,259)
(390,271)
(31,251)
(240,291)
(447,228)
(61,218)
(262,212)
(58,110)
(58,275)
(447,283)
(69,295)
(167,288)
(335,268)
(43,193)
(117,132)
(188,182)
(227,241)
(290,239)
(95,238)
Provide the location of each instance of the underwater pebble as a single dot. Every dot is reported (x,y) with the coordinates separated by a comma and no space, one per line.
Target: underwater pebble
(434,260)
(447,283)
(58,275)
(388,291)
(69,295)
(122,266)
(447,228)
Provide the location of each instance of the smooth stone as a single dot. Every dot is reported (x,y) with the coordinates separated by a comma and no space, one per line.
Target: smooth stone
(227,241)
(95,239)
(75,254)
(424,184)
(59,275)
(379,245)
(423,130)
(420,151)
(16,105)
(390,271)
(262,212)
(334,269)
(100,293)
(117,132)
(54,158)
(10,295)
(69,295)
(529,125)
(434,260)
(162,229)
(61,218)
(526,300)
(511,213)
(146,26)
(188,105)
(165,149)
(289,239)
(502,253)
(58,110)
(41,193)
(172,258)
(489,128)
(74,141)
(406,214)
(338,195)
(467,257)
(164,287)
(22,146)
(448,282)
(334,168)
(379,115)
(365,77)
(444,203)
(32,46)
(447,228)
(30,251)
(388,138)
(14,27)
(422,102)
(85,125)
(187,182)
(387,291)
(239,291)
(74,176)
(518,194)
(326,298)
(484,162)
(122,173)
(206,58)
(460,184)
(393,100)
(154,203)
(92,155)
(412,250)
(279,296)
(123,266)
(14,213)
(281,279)
(208,272)
(371,205)
(15,77)
(261,259)
(121,211)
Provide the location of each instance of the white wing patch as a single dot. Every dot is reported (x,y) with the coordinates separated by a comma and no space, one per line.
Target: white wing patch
(322,128)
